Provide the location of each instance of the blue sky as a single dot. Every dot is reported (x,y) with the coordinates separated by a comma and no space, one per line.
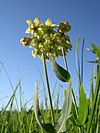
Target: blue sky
(84,17)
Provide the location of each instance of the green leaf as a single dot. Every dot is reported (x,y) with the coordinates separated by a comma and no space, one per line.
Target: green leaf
(11,98)
(74,113)
(61,124)
(77,60)
(36,105)
(82,57)
(92,92)
(49,128)
(60,72)
(96,50)
(83,108)
(95,100)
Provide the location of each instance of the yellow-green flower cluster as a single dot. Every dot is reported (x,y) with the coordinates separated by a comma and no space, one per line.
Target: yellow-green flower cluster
(47,39)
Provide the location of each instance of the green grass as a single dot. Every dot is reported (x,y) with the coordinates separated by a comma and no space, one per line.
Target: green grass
(84,116)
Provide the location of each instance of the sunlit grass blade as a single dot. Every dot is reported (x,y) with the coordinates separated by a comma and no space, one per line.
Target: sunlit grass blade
(92,87)
(44,88)
(97,90)
(66,109)
(54,89)
(58,98)
(47,127)
(82,57)
(9,81)
(13,96)
(83,107)
(78,61)
(66,67)
(36,105)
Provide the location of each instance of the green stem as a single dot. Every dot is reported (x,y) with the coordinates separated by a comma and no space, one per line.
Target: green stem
(49,93)
(95,99)
(66,66)
(65,61)
(76,108)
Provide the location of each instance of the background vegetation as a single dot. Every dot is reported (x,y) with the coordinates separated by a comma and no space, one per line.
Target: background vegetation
(82,117)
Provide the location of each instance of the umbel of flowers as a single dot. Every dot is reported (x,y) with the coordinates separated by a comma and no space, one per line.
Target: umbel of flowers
(47,39)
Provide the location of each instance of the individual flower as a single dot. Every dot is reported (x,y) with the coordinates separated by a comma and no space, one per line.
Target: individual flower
(25,41)
(64,27)
(33,25)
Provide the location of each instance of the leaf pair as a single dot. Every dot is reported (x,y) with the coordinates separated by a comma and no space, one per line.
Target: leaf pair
(61,124)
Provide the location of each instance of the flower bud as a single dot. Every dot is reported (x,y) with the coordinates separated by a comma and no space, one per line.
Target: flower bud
(64,27)
(25,41)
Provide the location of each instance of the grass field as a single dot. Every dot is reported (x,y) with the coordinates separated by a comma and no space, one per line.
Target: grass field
(82,116)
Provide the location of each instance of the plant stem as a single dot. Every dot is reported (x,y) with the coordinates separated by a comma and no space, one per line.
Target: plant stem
(76,108)
(66,66)
(49,93)
(65,61)
(95,99)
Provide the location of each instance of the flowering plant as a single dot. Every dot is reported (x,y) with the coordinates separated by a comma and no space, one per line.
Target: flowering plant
(47,39)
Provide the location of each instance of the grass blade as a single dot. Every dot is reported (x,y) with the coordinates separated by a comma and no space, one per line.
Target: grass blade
(78,61)
(61,125)
(83,108)
(82,60)
(11,98)
(36,105)
(97,90)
